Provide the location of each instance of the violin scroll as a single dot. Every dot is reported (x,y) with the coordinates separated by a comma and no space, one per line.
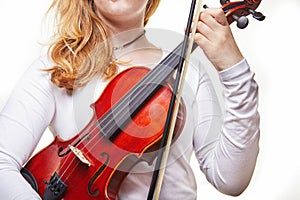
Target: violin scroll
(238,10)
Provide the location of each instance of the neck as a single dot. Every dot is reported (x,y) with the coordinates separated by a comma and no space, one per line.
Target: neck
(128,41)
(129,38)
(123,33)
(138,49)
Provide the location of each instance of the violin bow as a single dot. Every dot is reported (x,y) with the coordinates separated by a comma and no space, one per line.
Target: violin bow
(168,133)
(234,11)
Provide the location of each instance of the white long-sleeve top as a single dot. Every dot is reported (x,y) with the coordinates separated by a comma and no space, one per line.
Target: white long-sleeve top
(225,144)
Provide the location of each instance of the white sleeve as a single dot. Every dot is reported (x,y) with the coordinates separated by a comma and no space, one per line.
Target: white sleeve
(227,153)
(24,118)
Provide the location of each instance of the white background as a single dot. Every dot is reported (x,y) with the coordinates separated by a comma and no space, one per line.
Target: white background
(271,47)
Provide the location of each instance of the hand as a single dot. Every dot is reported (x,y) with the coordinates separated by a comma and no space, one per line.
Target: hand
(214,36)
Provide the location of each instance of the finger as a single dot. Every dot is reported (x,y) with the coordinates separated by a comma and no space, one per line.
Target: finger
(217,14)
(209,20)
(204,29)
(201,40)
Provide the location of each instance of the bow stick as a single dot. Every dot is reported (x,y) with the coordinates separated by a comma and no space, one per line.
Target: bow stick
(168,133)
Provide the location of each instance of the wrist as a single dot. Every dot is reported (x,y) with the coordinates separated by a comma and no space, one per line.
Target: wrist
(229,61)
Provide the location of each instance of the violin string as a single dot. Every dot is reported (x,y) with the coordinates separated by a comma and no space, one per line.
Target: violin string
(136,94)
(120,111)
(119,107)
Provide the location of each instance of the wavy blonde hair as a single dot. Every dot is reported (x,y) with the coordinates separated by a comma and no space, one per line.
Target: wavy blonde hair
(80,34)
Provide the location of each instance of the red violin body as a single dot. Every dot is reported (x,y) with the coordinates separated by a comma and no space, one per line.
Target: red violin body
(110,160)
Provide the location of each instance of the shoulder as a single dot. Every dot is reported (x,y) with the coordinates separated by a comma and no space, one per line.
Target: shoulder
(41,63)
(35,79)
(36,71)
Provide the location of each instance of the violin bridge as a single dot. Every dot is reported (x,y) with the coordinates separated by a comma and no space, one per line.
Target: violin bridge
(78,153)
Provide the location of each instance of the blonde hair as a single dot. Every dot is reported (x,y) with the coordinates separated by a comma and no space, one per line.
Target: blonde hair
(80,35)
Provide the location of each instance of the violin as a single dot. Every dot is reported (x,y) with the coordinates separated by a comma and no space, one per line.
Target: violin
(125,129)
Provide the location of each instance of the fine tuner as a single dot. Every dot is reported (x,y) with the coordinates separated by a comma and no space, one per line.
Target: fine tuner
(237,11)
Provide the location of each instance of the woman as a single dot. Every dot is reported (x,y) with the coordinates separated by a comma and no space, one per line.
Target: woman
(48,94)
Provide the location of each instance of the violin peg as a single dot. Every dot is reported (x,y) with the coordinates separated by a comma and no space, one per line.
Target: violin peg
(241,22)
(205,6)
(224,2)
(257,15)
